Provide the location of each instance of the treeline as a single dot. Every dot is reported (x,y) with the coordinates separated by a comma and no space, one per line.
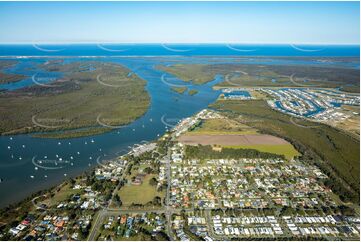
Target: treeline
(206,152)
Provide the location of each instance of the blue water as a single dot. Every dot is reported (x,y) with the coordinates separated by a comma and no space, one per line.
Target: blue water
(178,50)
(166,109)
(237,93)
(295,103)
(317,109)
(167,106)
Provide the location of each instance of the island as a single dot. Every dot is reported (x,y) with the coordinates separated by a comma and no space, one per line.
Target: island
(6,78)
(192,92)
(179,90)
(73,105)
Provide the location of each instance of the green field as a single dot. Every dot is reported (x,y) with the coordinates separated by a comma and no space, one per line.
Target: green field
(232,126)
(138,194)
(76,102)
(222,126)
(287,149)
(338,150)
(62,195)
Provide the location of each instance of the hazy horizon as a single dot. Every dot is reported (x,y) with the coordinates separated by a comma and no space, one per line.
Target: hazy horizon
(180,22)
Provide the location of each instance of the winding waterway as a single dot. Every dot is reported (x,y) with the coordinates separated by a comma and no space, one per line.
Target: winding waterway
(22,174)
(20,171)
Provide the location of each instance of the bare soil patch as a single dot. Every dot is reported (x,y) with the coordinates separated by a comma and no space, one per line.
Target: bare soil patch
(232,139)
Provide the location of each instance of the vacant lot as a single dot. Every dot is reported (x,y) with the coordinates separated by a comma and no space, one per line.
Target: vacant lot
(138,194)
(282,149)
(232,139)
(221,126)
(231,133)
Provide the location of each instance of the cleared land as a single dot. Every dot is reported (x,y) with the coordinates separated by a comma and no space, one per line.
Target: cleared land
(230,133)
(138,194)
(75,102)
(63,194)
(352,124)
(222,126)
(283,149)
(232,139)
(338,152)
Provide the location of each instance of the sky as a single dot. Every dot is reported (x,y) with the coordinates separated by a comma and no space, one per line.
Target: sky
(180,22)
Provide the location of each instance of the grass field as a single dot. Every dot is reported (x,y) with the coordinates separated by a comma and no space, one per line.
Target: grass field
(222,126)
(62,195)
(338,149)
(233,127)
(285,149)
(141,194)
(76,101)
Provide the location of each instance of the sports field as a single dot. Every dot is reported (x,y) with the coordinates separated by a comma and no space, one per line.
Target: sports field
(138,194)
